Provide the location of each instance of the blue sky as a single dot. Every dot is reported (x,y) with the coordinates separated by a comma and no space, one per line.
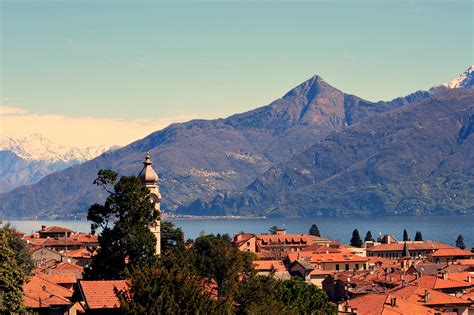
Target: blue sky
(175,60)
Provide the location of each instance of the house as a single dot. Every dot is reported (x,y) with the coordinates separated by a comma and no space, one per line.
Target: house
(383,303)
(436,300)
(54,232)
(276,246)
(442,283)
(266,267)
(331,261)
(449,254)
(42,296)
(40,255)
(416,249)
(102,296)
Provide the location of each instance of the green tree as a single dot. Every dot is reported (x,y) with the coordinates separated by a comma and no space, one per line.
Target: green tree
(273,229)
(460,242)
(12,278)
(171,236)
(167,291)
(20,248)
(405,236)
(418,236)
(356,241)
(368,237)
(125,219)
(218,260)
(314,230)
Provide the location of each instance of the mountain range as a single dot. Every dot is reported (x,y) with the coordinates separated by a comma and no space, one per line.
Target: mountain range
(270,160)
(26,160)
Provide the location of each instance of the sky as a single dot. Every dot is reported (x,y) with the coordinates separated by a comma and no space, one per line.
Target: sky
(110,72)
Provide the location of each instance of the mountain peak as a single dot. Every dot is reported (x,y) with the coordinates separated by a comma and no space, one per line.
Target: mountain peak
(464,80)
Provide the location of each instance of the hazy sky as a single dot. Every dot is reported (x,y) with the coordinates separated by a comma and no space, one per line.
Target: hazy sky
(68,66)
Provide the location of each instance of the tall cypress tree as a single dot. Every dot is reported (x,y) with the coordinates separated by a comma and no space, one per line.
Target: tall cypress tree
(314,230)
(418,236)
(460,242)
(405,236)
(356,241)
(12,278)
(368,237)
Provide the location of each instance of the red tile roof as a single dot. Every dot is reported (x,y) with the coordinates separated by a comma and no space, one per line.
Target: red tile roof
(78,253)
(437,283)
(101,294)
(416,294)
(373,303)
(264,265)
(412,246)
(55,229)
(58,278)
(451,252)
(39,290)
(325,258)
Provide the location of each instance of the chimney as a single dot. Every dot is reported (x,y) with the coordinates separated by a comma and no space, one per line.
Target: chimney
(445,276)
(426,297)
(393,302)
(43,227)
(469,279)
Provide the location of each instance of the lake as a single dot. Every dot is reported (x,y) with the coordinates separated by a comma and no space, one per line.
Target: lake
(440,228)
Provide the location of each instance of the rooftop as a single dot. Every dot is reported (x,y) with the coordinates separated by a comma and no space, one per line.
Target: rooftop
(101,294)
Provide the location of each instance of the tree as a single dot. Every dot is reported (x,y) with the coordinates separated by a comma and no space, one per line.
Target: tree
(273,229)
(170,236)
(125,219)
(368,237)
(19,246)
(405,236)
(314,230)
(460,242)
(167,291)
(218,260)
(356,241)
(12,278)
(418,236)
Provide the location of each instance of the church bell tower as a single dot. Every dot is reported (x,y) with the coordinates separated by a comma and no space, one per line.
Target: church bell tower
(149,178)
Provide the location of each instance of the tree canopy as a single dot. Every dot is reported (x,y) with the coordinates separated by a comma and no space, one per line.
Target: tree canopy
(12,277)
(405,236)
(20,248)
(356,241)
(368,237)
(124,220)
(460,242)
(418,236)
(313,230)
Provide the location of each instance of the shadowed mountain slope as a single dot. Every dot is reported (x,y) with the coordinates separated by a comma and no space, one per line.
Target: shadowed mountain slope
(412,160)
(203,157)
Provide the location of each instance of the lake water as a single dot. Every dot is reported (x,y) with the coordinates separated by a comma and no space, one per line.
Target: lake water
(440,228)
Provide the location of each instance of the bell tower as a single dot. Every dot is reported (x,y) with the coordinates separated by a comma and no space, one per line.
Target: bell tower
(149,178)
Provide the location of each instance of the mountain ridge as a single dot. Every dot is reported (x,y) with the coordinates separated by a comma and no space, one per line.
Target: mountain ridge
(205,157)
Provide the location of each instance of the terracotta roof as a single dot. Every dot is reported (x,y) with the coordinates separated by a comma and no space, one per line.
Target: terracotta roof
(60,242)
(55,229)
(84,238)
(416,294)
(101,294)
(261,265)
(450,252)
(78,253)
(437,283)
(336,257)
(381,261)
(462,276)
(412,246)
(285,239)
(68,266)
(43,299)
(374,303)
(38,287)
(58,278)
(468,262)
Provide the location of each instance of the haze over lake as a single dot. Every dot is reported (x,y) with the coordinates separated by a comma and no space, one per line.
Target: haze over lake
(439,228)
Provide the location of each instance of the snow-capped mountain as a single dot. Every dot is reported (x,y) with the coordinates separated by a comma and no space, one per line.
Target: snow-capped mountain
(464,80)
(38,148)
(27,160)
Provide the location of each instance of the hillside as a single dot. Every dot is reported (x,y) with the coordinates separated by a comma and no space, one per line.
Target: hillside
(203,157)
(409,161)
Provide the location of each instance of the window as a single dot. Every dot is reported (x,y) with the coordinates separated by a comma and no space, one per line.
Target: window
(347,267)
(357,267)
(337,266)
(365,267)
